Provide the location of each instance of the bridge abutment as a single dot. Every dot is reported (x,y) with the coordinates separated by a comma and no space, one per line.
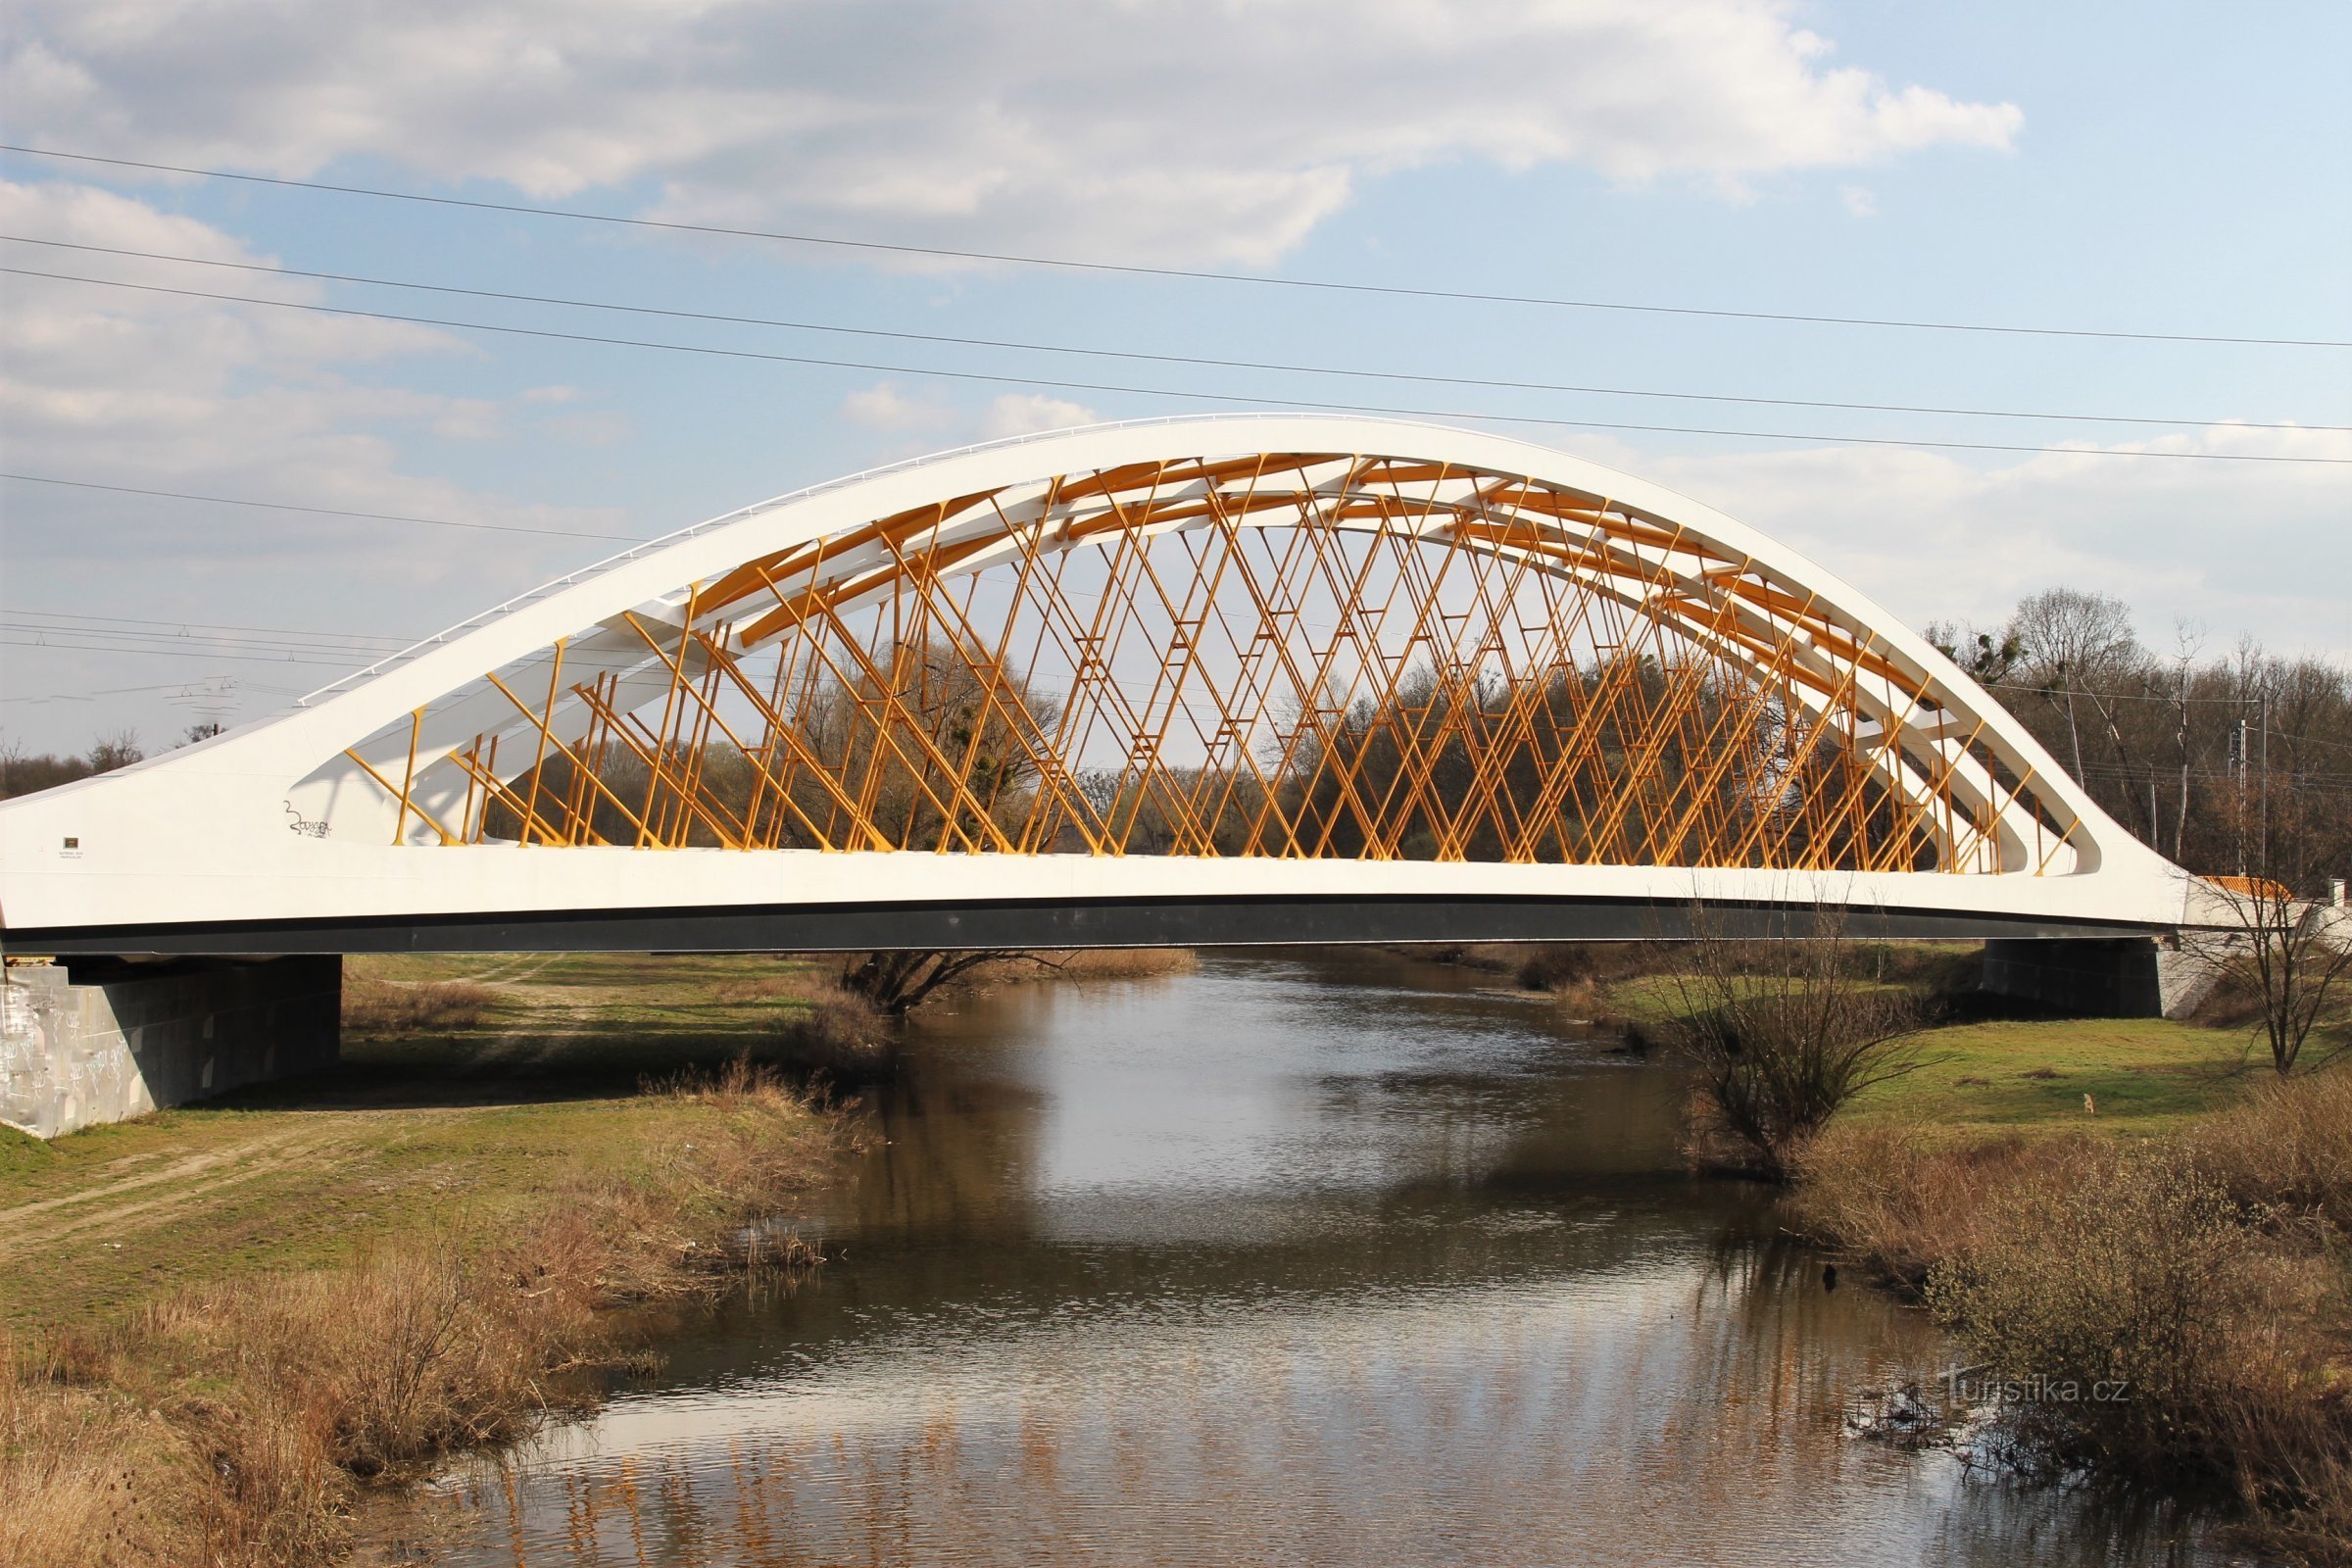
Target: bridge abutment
(2104,978)
(107,1039)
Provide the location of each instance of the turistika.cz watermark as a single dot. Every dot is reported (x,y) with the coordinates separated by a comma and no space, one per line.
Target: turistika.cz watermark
(1969,1386)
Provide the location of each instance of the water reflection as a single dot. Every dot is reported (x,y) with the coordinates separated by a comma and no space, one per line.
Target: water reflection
(1303,1258)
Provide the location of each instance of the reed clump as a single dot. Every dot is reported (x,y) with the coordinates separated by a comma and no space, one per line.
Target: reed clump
(2173,1310)
(231,1427)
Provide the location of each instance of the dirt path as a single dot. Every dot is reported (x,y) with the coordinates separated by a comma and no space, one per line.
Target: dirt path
(187,1184)
(162,1192)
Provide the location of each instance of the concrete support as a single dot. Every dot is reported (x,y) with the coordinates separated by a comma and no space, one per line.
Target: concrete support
(108,1040)
(2112,977)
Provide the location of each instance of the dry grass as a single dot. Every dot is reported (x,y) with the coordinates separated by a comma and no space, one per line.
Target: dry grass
(836,1034)
(1901,1202)
(2290,1145)
(433,1006)
(1088,963)
(230,1426)
(80,1482)
(2207,1266)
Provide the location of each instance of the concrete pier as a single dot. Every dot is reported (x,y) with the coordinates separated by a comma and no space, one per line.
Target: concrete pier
(108,1039)
(2104,978)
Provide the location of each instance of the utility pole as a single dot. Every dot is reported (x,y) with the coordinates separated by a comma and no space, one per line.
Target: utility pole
(2066,684)
(2265,710)
(2180,739)
(2237,765)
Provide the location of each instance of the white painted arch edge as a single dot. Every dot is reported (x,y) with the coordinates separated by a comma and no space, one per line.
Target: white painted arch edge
(264,759)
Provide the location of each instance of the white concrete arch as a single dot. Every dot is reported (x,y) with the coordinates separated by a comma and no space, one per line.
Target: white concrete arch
(278,827)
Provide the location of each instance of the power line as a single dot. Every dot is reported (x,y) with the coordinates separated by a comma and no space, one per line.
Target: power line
(1136,269)
(189,628)
(1496,383)
(176,653)
(209,625)
(2169,700)
(1258,401)
(175,686)
(323,512)
(124,639)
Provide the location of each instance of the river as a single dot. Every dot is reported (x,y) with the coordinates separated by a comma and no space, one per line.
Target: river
(1306,1257)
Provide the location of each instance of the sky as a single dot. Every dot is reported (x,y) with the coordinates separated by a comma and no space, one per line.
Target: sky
(2150,169)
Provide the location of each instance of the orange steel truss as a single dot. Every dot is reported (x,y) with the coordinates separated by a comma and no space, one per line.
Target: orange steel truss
(1307,655)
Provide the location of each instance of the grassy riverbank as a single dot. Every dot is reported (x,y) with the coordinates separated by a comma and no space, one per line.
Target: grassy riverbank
(2088,1203)
(471,1090)
(222,1320)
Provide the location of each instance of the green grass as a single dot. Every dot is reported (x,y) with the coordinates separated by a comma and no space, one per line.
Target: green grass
(1989,1078)
(459,1130)
(21,1151)
(2143,1074)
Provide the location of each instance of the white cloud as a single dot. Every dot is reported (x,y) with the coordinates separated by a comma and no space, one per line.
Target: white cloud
(2253,547)
(469,420)
(1027,413)
(884,407)
(1857,200)
(172,393)
(1173,129)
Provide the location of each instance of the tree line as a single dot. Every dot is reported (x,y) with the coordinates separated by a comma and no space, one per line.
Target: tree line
(2228,761)
(2231,761)
(1628,759)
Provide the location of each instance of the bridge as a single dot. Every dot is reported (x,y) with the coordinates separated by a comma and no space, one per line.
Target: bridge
(1207,680)
(1201,680)
(1230,681)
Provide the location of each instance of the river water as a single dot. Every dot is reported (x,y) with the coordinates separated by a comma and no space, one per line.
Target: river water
(1307,1257)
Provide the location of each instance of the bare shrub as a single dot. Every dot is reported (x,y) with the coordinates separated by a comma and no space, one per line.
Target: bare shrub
(118,749)
(2138,1275)
(1783,1032)
(2205,1272)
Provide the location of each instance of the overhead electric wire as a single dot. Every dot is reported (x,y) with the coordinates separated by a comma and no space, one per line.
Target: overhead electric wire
(1200,274)
(207,654)
(124,638)
(65,620)
(2058,692)
(182,687)
(36,628)
(323,512)
(1493,382)
(1058,384)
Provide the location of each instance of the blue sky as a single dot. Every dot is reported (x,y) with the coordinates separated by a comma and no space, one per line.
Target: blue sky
(2147,168)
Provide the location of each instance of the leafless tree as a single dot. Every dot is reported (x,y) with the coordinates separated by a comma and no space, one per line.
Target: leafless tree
(118,750)
(899,982)
(2285,954)
(1785,1030)
(2229,762)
